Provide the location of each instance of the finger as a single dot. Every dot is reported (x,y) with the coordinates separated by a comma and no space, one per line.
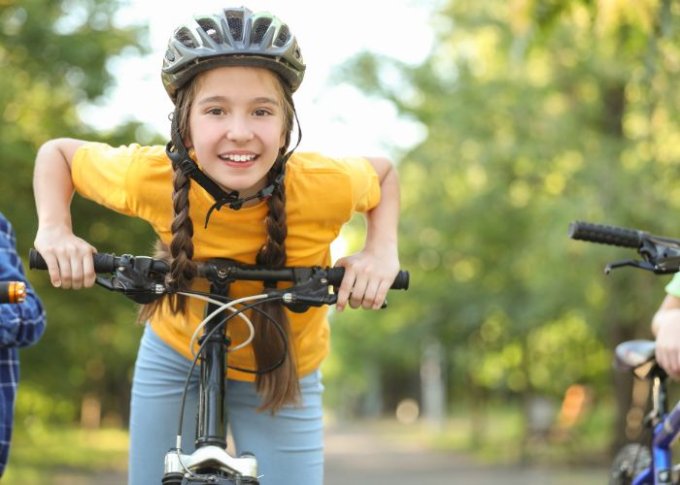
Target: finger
(371,294)
(76,263)
(345,289)
(65,271)
(381,295)
(52,268)
(358,291)
(89,275)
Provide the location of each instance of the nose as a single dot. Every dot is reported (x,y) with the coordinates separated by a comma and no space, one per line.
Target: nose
(239,129)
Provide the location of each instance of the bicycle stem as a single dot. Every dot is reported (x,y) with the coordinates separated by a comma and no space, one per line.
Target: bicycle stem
(212,421)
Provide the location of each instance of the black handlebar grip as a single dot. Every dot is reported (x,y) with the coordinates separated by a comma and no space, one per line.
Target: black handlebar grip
(336,274)
(103,262)
(604,234)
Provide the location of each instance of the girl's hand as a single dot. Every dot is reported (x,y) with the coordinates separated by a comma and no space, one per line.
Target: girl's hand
(367,278)
(668,341)
(68,257)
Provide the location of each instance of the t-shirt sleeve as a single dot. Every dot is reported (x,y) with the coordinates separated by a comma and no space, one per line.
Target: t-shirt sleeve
(673,287)
(100,173)
(364,183)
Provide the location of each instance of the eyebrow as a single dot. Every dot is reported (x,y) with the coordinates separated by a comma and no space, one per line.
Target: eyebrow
(222,99)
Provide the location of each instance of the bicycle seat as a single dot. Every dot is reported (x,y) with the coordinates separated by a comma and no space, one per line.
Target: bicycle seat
(632,354)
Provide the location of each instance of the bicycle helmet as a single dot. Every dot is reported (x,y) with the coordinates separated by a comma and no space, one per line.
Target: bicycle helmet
(233,37)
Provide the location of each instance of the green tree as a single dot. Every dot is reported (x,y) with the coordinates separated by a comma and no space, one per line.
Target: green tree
(538,113)
(55,58)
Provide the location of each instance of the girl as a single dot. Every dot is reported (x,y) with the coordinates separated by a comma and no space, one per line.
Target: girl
(228,186)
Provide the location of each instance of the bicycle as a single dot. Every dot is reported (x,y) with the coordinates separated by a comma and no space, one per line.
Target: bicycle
(141,278)
(12,291)
(635,463)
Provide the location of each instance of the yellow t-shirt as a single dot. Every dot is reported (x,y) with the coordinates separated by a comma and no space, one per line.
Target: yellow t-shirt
(321,195)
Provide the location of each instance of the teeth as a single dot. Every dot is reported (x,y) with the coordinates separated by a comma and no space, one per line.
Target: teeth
(238,158)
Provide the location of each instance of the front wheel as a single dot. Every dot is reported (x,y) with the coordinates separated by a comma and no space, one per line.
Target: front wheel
(630,461)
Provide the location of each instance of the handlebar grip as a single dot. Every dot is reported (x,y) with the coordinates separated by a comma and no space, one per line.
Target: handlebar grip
(103,262)
(12,291)
(336,274)
(605,234)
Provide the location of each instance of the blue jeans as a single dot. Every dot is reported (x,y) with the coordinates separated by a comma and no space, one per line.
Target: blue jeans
(288,445)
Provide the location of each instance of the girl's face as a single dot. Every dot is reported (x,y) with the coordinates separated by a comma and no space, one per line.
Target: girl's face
(236,126)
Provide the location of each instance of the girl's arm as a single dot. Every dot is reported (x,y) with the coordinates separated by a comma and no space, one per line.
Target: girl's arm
(666,327)
(370,273)
(68,257)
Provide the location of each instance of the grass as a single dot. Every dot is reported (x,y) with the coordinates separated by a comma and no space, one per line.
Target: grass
(38,453)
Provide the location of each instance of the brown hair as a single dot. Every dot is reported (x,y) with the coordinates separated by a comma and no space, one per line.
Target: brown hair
(280,386)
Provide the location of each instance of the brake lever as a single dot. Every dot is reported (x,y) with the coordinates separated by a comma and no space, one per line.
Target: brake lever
(629,262)
(663,267)
(314,292)
(134,279)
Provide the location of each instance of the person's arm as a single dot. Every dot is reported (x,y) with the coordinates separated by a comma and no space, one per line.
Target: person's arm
(666,328)
(68,257)
(21,324)
(370,273)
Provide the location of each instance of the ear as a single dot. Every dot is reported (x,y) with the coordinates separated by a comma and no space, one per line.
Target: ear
(282,140)
(187,142)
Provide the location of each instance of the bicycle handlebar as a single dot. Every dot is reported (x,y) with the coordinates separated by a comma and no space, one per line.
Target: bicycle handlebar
(12,291)
(103,262)
(222,269)
(606,234)
(661,255)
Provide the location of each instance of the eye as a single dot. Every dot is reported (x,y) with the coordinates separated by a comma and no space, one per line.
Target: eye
(263,112)
(215,111)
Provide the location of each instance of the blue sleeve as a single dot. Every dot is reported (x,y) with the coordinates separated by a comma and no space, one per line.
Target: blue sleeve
(21,324)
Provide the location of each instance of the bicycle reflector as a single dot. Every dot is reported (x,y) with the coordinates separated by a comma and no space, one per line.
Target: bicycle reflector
(12,291)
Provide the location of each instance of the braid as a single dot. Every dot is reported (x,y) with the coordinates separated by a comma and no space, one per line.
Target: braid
(281,386)
(182,267)
(160,251)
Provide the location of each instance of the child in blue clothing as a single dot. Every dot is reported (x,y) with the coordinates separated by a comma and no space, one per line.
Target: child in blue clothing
(21,324)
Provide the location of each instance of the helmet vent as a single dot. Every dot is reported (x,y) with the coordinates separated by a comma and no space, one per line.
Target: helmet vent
(184,36)
(169,56)
(259,29)
(235,22)
(210,27)
(283,37)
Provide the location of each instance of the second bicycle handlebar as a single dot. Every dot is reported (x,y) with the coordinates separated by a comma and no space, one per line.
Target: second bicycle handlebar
(605,234)
(660,255)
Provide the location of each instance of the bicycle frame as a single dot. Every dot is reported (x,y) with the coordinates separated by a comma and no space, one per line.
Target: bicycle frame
(142,279)
(660,255)
(637,356)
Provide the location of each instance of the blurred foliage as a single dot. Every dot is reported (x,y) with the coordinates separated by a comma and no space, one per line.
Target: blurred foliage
(55,56)
(92,454)
(537,113)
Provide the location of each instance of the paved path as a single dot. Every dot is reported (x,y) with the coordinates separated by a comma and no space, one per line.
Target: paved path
(358,456)
(355,457)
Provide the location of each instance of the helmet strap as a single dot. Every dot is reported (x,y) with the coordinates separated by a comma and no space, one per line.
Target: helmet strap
(180,158)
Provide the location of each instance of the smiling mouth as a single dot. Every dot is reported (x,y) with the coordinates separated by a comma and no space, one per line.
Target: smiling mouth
(238,158)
